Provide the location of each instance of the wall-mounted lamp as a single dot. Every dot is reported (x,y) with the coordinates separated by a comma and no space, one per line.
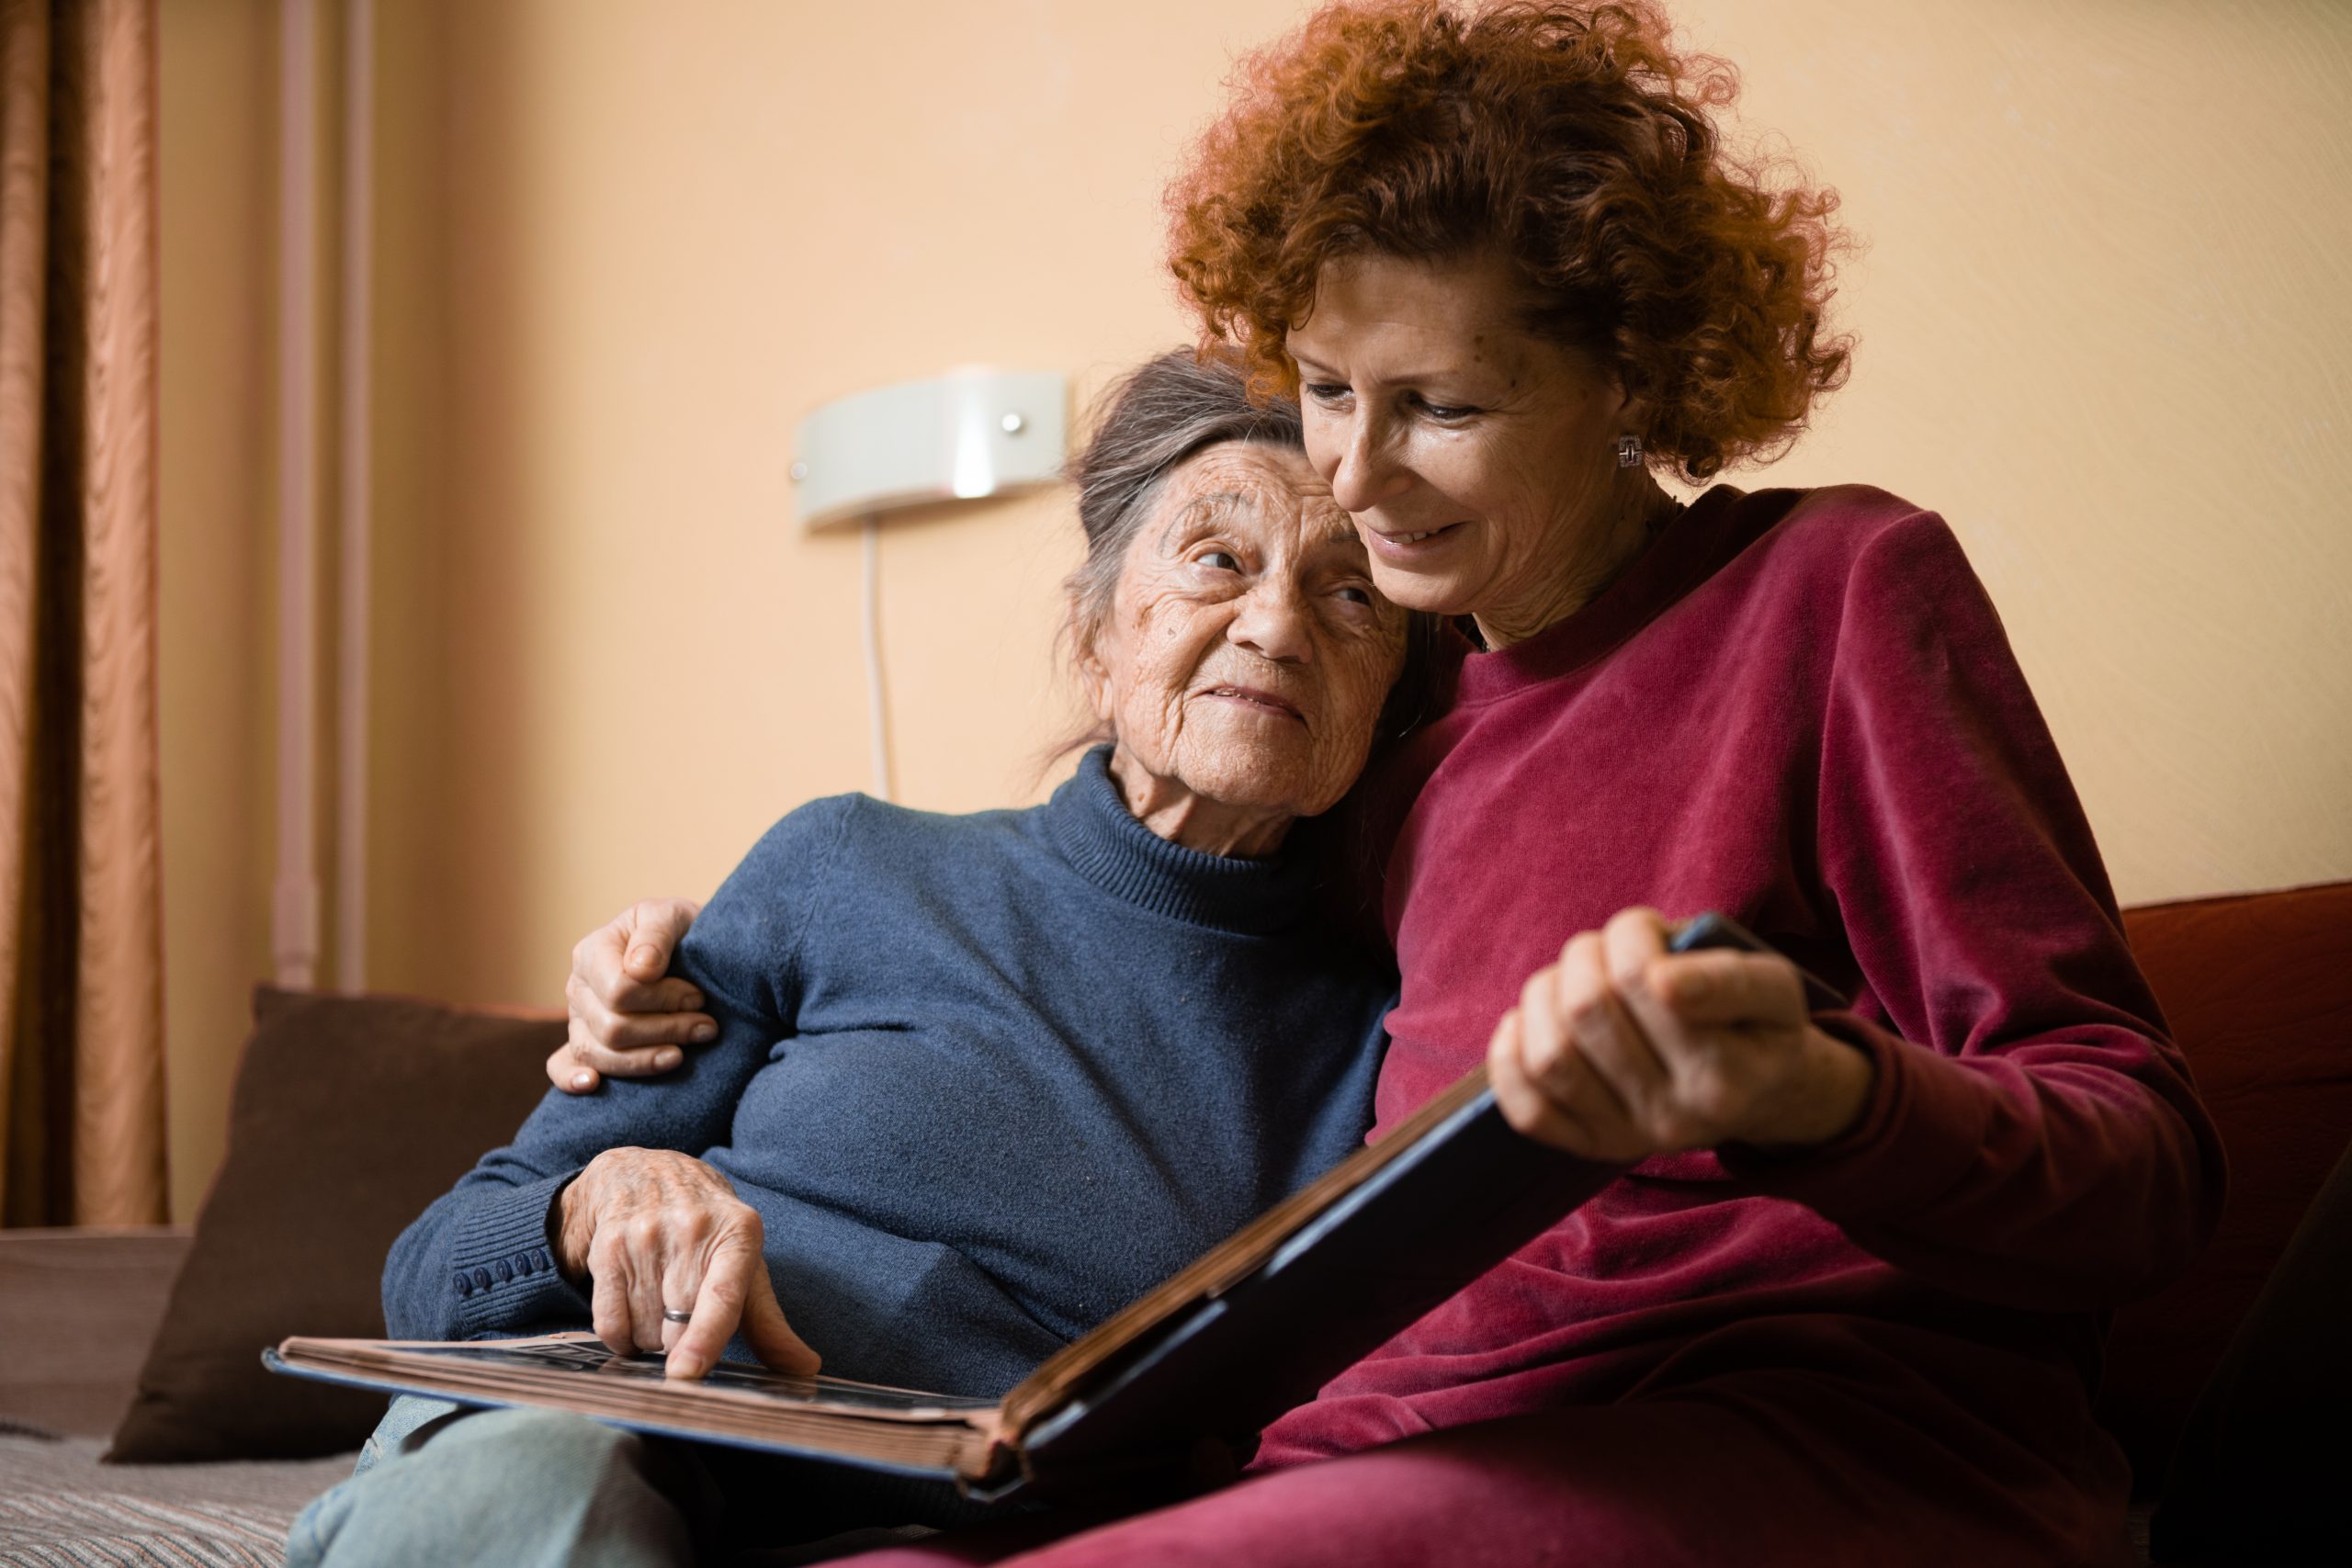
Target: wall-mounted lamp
(960,437)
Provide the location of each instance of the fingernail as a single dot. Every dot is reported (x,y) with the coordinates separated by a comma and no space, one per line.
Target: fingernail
(693,1001)
(644,957)
(582,1079)
(705,1031)
(666,1059)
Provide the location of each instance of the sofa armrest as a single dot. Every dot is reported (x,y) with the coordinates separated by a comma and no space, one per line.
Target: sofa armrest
(77,1310)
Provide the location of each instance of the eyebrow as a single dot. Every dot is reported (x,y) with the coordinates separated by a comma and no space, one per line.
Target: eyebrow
(1314,368)
(1343,532)
(1220,498)
(1202,508)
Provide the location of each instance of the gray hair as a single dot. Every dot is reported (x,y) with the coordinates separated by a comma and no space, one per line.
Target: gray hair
(1147,425)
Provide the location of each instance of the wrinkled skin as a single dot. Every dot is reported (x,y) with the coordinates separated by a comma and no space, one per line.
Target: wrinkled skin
(652,1227)
(1245,656)
(1242,665)
(629,1015)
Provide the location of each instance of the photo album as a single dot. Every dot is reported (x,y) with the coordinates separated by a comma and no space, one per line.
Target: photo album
(1250,1329)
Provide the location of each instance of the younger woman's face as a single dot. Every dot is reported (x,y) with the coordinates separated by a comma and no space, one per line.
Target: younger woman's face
(1479,460)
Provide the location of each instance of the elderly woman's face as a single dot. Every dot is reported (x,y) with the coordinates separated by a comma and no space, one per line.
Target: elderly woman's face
(1246,654)
(1479,460)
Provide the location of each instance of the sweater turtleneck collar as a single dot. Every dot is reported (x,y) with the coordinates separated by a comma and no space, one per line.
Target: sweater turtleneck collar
(1089,822)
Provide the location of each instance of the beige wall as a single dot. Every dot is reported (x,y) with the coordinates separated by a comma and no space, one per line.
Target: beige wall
(2105,318)
(217,190)
(624,246)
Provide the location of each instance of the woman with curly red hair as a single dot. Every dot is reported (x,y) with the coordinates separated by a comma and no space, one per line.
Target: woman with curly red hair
(1842,1304)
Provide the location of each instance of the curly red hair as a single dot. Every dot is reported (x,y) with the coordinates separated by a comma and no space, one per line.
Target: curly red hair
(1572,139)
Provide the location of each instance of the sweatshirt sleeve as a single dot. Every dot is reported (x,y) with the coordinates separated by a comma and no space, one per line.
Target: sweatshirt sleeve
(481,1261)
(2032,1138)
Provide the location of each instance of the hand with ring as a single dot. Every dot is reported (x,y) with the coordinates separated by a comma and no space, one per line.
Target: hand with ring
(674,1261)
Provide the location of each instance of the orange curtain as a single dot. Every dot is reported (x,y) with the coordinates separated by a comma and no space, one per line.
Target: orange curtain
(80,917)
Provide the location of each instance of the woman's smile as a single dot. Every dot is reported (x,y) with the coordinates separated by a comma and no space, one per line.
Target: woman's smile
(1399,545)
(1252,699)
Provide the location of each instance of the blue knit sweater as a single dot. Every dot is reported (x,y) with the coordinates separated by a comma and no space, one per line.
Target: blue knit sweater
(986,1078)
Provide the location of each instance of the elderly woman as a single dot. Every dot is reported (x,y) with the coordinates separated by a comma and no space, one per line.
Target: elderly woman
(977,1081)
(1843,1304)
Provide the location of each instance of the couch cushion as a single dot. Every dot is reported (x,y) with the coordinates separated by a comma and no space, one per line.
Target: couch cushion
(78,1308)
(2258,991)
(60,1505)
(350,1114)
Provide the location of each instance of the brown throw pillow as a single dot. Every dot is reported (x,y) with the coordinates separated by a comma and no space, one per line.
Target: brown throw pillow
(350,1115)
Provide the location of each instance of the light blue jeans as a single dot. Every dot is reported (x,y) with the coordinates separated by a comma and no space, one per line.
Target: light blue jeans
(438,1483)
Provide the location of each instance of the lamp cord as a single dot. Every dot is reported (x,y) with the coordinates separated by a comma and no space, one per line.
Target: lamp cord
(877,721)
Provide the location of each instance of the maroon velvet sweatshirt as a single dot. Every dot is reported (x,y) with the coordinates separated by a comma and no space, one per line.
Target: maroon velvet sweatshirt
(1799,708)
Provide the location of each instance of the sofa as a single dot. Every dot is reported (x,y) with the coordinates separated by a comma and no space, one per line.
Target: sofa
(141,1345)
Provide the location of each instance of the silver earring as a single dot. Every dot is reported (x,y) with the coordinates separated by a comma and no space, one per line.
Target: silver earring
(1629,451)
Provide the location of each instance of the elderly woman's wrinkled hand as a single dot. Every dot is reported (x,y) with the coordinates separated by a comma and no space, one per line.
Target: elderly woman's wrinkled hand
(656,1232)
(627,1020)
(1621,1050)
